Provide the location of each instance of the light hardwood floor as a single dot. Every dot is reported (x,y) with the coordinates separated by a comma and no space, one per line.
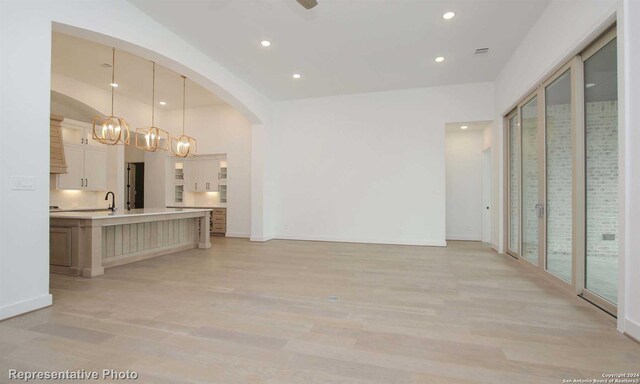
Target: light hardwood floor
(313,312)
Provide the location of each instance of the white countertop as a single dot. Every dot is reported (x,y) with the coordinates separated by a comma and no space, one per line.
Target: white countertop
(76,209)
(124,213)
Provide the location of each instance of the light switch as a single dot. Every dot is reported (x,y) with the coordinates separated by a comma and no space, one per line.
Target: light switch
(23,183)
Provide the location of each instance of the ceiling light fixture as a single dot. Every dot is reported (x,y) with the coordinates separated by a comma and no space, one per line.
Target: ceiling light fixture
(297,75)
(163,103)
(589,85)
(114,85)
(448,15)
(111,130)
(184,145)
(439,59)
(464,127)
(265,43)
(153,138)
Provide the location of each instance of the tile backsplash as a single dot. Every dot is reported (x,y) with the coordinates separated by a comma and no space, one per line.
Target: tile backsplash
(74,199)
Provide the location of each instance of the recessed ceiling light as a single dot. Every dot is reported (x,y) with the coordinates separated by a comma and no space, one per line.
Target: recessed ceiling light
(114,85)
(163,103)
(439,59)
(448,15)
(590,85)
(464,127)
(265,43)
(297,75)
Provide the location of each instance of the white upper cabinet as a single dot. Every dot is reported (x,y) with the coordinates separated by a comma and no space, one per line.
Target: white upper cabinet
(86,159)
(191,176)
(201,175)
(95,169)
(208,172)
(74,178)
(77,132)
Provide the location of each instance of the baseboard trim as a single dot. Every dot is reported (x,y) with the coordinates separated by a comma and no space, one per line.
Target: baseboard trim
(463,238)
(427,243)
(632,329)
(25,306)
(240,235)
(260,238)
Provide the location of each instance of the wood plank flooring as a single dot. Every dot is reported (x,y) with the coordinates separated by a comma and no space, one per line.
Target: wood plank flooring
(313,312)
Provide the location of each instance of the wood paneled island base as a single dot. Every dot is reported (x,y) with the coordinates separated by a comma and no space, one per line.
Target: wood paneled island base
(85,243)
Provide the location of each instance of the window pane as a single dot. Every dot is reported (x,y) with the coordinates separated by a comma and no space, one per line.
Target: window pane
(530,200)
(601,135)
(559,176)
(514,185)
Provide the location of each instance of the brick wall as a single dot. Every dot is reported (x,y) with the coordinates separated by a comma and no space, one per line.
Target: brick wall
(602,178)
(602,183)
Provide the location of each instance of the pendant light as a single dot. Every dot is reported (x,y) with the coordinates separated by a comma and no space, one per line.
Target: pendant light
(111,130)
(153,138)
(184,145)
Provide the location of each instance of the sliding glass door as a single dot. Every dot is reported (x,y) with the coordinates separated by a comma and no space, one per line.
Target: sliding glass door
(562,175)
(558,123)
(531,206)
(601,170)
(513,245)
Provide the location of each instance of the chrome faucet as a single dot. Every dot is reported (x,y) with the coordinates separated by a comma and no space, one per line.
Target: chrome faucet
(112,206)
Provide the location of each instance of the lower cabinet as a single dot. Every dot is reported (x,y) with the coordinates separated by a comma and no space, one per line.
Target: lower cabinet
(60,246)
(219,221)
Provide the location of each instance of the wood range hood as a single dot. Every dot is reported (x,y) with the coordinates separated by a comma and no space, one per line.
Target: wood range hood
(57,159)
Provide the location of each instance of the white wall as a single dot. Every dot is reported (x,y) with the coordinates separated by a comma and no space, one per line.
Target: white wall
(369,167)
(222,129)
(630,269)
(25,37)
(464,185)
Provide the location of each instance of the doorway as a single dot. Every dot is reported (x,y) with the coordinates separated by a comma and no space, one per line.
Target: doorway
(134,174)
(486,195)
(468,181)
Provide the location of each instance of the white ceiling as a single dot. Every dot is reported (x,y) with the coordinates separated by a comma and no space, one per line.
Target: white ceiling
(472,126)
(350,46)
(83,60)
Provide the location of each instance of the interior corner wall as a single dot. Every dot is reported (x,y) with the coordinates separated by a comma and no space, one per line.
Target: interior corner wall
(222,129)
(561,30)
(368,167)
(491,141)
(464,161)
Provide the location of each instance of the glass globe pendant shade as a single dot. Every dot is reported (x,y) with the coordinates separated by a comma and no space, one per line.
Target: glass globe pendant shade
(152,139)
(183,146)
(111,130)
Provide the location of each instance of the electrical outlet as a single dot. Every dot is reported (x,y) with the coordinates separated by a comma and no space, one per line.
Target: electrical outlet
(23,183)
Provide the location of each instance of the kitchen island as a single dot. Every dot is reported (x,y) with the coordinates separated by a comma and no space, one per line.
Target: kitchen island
(85,243)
